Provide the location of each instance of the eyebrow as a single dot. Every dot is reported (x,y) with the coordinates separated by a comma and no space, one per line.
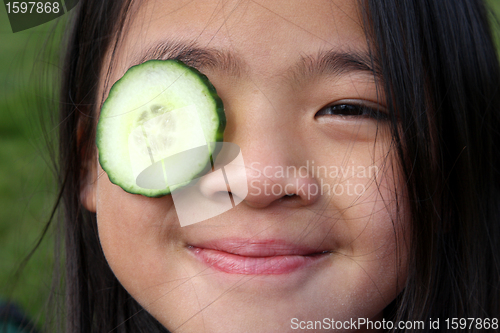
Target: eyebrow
(194,56)
(333,62)
(330,62)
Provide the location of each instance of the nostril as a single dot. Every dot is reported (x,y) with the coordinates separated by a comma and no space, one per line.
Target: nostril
(290,199)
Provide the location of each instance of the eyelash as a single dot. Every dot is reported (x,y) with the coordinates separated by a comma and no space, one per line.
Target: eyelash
(347,109)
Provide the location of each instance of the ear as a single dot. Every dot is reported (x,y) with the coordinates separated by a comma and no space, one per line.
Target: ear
(88,186)
(88,171)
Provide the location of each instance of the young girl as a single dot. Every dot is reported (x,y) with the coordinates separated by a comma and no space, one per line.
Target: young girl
(369,130)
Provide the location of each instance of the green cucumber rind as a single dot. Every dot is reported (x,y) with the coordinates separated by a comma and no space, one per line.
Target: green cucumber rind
(100,136)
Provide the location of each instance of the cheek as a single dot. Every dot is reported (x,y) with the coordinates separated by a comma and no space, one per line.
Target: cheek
(367,214)
(133,230)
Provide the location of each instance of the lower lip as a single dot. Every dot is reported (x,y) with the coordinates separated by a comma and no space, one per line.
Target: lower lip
(237,264)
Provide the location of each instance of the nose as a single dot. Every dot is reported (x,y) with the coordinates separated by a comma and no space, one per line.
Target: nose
(273,167)
(271,182)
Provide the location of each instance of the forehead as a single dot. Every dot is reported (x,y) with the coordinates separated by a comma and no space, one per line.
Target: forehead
(264,37)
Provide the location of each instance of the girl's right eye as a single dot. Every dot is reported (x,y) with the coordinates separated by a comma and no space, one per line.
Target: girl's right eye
(354,109)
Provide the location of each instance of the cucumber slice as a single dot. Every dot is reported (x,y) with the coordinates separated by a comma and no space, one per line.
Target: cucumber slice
(160,114)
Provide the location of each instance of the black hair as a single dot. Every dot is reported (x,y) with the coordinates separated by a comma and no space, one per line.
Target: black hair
(442,79)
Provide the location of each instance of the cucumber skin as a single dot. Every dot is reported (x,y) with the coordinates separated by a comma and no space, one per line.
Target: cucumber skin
(219,109)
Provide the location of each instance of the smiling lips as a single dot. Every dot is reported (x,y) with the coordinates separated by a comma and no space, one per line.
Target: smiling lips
(267,257)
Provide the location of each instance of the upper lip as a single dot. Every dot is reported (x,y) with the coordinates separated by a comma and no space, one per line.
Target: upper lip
(259,248)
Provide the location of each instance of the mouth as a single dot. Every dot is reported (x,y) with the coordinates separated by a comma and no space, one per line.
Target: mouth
(263,257)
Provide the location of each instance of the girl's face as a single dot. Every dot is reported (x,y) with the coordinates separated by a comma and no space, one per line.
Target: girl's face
(317,235)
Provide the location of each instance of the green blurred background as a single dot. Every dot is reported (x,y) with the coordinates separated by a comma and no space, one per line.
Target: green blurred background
(27,192)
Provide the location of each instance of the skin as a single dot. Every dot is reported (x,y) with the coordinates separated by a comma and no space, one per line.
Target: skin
(272,114)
